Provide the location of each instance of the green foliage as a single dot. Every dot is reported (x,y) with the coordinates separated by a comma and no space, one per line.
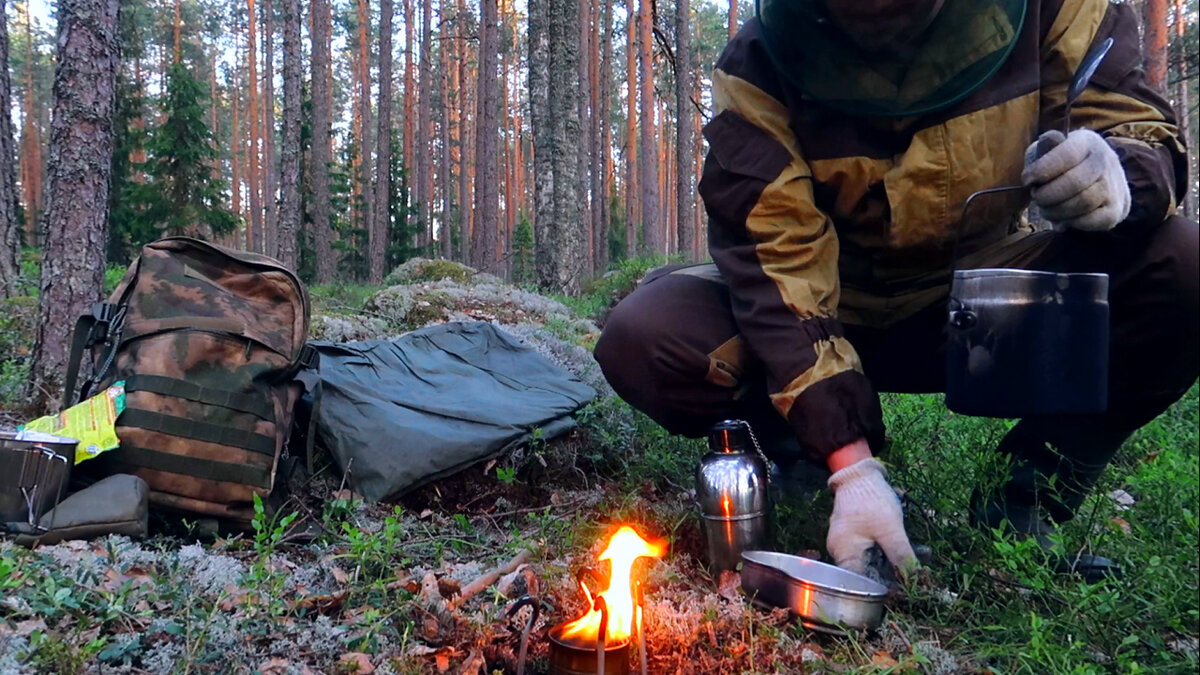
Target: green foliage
(182,195)
(601,293)
(522,256)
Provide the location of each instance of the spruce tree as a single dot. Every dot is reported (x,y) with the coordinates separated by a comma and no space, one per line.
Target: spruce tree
(182,196)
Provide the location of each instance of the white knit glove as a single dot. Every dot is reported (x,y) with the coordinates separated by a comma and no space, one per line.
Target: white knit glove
(866,511)
(1079,183)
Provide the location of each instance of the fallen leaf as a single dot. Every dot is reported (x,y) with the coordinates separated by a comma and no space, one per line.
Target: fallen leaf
(884,659)
(356,662)
(26,628)
(443,661)
(339,575)
(1122,499)
(420,650)
(474,664)
(1123,525)
(488,467)
(448,588)
(274,667)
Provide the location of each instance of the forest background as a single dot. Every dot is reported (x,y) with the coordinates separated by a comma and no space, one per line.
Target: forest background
(541,141)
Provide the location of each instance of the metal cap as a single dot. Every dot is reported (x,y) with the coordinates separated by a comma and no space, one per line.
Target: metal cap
(730,436)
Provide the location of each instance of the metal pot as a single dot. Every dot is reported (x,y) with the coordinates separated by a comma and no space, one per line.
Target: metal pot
(1024,342)
(825,597)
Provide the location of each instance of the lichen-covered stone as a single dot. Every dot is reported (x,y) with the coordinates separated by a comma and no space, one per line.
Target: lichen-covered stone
(347,328)
(392,304)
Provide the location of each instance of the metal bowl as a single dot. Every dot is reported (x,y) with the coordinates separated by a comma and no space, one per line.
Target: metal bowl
(825,597)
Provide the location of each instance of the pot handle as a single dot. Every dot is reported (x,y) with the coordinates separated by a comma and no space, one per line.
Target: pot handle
(960,316)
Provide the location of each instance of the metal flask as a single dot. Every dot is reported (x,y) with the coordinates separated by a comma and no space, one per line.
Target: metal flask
(1025,342)
(731,489)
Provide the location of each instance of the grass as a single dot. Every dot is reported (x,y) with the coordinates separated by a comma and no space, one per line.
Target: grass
(986,603)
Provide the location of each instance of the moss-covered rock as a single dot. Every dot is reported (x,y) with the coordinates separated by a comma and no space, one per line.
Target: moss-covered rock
(424,269)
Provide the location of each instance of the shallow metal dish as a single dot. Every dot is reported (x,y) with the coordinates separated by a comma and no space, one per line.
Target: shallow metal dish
(825,597)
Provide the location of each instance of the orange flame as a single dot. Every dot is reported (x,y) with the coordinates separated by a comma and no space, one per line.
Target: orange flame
(623,549)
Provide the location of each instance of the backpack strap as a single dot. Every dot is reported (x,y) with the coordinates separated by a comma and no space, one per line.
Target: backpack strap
(90,330)
(309,377)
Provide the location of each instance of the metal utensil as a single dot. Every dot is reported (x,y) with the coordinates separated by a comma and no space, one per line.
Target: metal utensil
(34,472)
(825,597)
(1079,82)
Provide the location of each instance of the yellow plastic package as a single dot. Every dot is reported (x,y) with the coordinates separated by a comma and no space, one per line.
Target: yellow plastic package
(92,422)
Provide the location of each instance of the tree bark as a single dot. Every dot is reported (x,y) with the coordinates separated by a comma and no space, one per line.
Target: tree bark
(270,158)
(236,150)
(733,18)
(1156,43)
(633,214)
(1183,107)
(380,213)
(655,239)
(683,130)
(487,226)
(10,229)
(289,174)
(584,148)
(81,146)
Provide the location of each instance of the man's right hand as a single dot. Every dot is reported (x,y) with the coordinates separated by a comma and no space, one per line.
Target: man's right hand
(866,511)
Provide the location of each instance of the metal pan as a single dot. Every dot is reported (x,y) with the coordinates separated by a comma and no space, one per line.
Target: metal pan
(825,597)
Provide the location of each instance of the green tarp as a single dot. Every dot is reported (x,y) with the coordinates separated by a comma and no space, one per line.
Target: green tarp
(400,413)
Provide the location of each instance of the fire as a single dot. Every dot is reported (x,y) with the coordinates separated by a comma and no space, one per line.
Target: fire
(623,549)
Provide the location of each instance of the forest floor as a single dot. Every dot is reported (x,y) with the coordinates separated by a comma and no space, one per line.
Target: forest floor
(375,589)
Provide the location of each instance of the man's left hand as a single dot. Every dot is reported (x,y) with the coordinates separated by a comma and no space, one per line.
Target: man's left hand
(1079,183)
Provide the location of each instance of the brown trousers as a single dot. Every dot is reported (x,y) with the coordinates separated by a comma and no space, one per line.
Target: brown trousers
(672,349)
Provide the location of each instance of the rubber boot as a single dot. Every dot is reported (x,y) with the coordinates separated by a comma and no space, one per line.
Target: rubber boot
(1055,464)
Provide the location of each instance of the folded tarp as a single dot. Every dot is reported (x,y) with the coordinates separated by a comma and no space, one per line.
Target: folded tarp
(400,413)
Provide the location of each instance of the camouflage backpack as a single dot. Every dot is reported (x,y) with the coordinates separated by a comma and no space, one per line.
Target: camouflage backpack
(211,345)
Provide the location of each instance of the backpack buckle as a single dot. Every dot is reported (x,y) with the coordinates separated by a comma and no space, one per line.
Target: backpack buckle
(310,358)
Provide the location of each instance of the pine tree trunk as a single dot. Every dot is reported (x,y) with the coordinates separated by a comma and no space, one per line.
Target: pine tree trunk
(1155,14)
(595,168)
(254,239)
(584,149)
(424,140)
(683,129)
(322,151)
(604,92)
(508,132)
(364,115)
(178,23)
(561,246)
(270,160)
(445,70)
(487,226)
(1183,106)
(81,146)
(410,98)
(31,145)
(633,214)
(651,226)
(538,36)
(236,150)
(733,18)
(380,214)
(289,174)
(10,229)
(462,129)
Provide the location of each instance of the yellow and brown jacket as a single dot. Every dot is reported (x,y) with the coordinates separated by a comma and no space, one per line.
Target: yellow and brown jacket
(818,217)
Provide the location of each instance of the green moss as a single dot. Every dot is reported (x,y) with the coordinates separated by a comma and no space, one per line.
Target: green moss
(422,269)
